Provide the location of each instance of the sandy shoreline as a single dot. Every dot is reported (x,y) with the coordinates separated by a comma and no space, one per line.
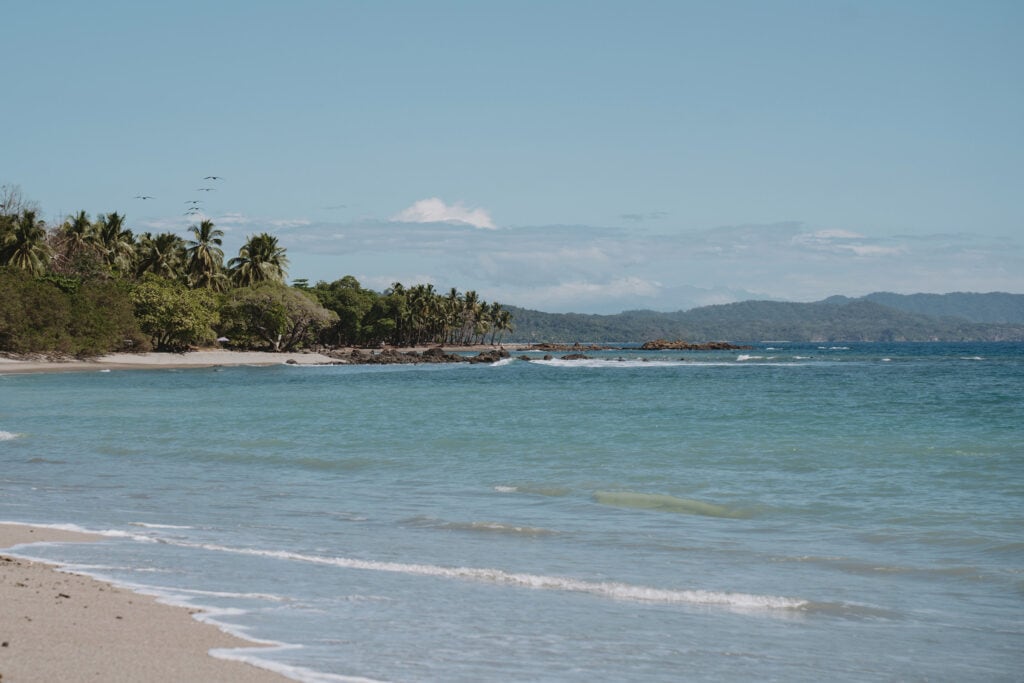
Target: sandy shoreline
(190,359)
(56,626)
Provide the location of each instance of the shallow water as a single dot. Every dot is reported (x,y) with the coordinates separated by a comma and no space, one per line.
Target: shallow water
(791,512)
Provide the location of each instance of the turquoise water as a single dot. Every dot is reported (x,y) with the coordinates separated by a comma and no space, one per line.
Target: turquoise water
(795,512)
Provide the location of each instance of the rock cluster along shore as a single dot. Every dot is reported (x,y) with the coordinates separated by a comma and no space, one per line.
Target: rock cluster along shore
(432,355)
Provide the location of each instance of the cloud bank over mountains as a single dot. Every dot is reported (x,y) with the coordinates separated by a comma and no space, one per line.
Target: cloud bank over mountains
(592,269)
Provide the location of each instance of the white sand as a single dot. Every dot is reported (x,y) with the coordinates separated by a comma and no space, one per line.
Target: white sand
(127,361)
(56,626)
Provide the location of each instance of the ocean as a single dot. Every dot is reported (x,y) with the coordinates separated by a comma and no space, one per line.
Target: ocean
(792,512)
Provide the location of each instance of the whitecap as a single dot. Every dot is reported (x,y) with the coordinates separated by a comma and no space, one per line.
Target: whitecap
(8,436)
(608,363)
(535,489)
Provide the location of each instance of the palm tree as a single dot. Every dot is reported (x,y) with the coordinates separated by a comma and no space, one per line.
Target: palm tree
(161,255)
(494,316)
(117,243)
(469,313)
(421,312)
(77,235)
(204,257)
(23,244)
(504,323)
(76,246)
(259,260)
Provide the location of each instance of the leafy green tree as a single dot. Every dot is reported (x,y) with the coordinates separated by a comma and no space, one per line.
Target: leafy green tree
(34,314)
(23,244)
(259,260)
(385,321)
(273,315)
(204,257)
(351,303)
(103,319)
(173,316)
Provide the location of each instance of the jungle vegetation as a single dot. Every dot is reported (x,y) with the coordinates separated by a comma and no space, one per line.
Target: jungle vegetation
(92,285)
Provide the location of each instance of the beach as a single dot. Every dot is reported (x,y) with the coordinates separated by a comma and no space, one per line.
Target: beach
(56,626)
(198,359)
(190,359)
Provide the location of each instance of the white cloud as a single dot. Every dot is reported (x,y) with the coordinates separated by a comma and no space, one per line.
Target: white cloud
(609,296)
(434,210)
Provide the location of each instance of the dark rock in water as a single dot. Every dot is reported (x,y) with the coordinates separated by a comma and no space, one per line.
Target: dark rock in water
(292,361)
(679,345)
(576,356)
(546,346)
(492,356)
(548,356)
(524,357)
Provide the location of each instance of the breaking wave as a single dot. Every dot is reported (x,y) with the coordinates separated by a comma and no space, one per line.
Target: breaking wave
(742,602)
(553,491)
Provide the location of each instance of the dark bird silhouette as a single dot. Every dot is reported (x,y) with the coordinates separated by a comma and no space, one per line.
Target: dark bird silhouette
(206,189)
(213,177)
(143,196)
(194,201)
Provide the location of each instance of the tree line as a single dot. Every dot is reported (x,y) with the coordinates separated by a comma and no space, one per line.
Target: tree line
(88,286)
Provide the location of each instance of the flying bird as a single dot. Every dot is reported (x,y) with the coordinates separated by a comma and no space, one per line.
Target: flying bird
(206,189)
(143,196)
(213,177)
(194,201)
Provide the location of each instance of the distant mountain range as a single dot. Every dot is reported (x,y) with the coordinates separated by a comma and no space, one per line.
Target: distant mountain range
(882,316)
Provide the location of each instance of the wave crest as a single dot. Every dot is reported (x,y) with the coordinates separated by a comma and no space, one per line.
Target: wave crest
(742,602)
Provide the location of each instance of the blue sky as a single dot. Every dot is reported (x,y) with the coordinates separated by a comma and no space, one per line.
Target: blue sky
(568,156)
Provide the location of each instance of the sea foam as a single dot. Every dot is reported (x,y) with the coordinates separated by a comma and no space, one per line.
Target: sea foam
(8,436)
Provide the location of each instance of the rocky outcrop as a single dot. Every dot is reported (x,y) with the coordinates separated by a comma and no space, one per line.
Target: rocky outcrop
(431,355)
(665,345)
(568,347)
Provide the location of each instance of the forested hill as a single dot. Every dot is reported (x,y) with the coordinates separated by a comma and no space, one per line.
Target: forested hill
(993,307)
(834,319)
